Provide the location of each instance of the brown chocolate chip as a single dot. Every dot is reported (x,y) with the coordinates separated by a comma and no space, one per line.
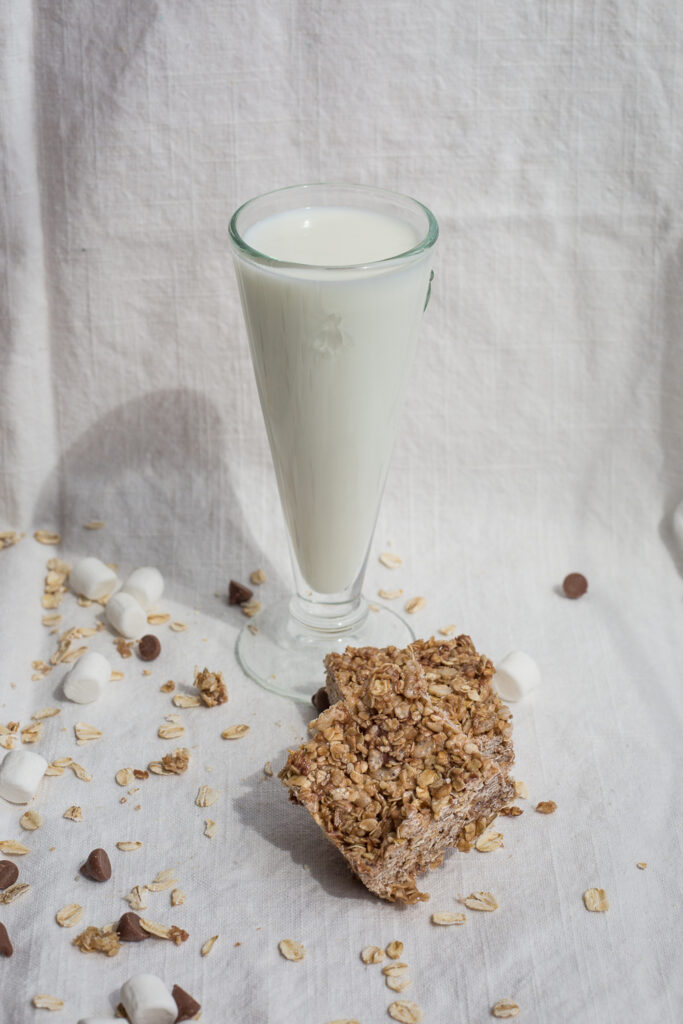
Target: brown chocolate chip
(6,947)
(575,585)
(320,700)
(97,866)
(238,593)
(130,929)
(187,1006)
(9,873)
(149,647)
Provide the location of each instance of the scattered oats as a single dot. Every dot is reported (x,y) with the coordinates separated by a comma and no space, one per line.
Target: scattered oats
(13,892)
(73,813)
(511,812)
(390,560)
(446,917)
(146,672)
(268,769)
(98,940)
(116,676)
(54,769)
(416,604)
(171,764)
(74,655)
(480,901)
(163,881)
(43,1002)
(251,608)
(95,524)
(642,864)
(186,700)
(158,618)
(46,713)
(235,732)
(448,630)
(51,600)
(8,742)
(210,828)
(343,1020)
(69,915)
(8,538)
(252,629)
(32,733)
(167,687)
(208,945)
(505,1008)
(86,733)
(394,970)
(136,898)
(596,900)
(52,620)
(291,949)
(83,602)
(55,564)
(128,845)
(372,955)
(46,537)
(395,950)
(30,821)
(212,689)
(41,670)
(390,595)
(13,848)
(124,647)
(124,776)
(405,1012)
(177,898)
(489,841)
(178,627)
(399,983)
(79,771)
(374,607)
(521,791)
(162,931)
(258,577)
(171,729)
(206,796)
(546,807)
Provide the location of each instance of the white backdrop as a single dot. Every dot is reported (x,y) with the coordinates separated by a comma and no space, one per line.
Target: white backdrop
(542,435)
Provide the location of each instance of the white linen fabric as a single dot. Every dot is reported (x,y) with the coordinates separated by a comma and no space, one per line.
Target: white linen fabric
(542,435)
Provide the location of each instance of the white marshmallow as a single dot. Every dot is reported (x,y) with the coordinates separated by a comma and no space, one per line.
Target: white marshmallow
(146,1000)
(92,578)
(516,676)
(126,616)
(20,775)
(87,678)
(146,585)
(677,524)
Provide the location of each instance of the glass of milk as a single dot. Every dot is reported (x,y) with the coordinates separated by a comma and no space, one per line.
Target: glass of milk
(333,281)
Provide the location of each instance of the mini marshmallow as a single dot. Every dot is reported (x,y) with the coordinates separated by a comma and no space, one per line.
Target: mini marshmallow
(516,676)
(146,585)
(126,616)
(20,775)
(92,578)
(146,1000)
(86,680)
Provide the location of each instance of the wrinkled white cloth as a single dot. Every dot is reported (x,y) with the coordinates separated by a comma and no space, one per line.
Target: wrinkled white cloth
(541,435)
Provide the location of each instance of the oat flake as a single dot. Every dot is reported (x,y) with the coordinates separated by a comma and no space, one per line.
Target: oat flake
(128,845)
(489,841)
(390,561)
(446,917)
(30,821)
(44,1002)
(372,955)
(235,732)
(395,950)
(480,901)
(12,848)
(596,900)
(505,1008)
(405,1012)
(208,945)
(70,915)
(291,949)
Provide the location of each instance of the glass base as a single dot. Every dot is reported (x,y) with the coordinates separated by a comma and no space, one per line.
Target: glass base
(284,657)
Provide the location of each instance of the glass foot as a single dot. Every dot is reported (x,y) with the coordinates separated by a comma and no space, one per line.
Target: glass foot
(280,655)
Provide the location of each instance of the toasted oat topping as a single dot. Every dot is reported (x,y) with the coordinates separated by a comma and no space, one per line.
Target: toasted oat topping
(395,950)
(162,931)
(128,845)
(596,900)
(70,915)
(79,771)
(489,841)
(398,983)
(186,700)
(171,764)
(171,729)
(415,604)
(235,732)
(167,687)
(372,955)
(158,618)
(45,1002)
(212,689)
(394,970)
(31,733)
(136,897)
(12,848)
(390,595)
(208,945)
(210,828)
(178,627)
(268,770)
(94,524)
(8,538)
(86,733)
(546,807)
(46,713)
(445,917)
(642,864)
(98,940)
(405,1012)
(30,821)
(505,1008)
(206,796)
(73,813)
(47,537)
(251,608)
(258,577)
(291,949)
(124,776)
(177,898)
(448,630)
(480,901)
(13,892)
(390,561)
(521,791)
(116,676)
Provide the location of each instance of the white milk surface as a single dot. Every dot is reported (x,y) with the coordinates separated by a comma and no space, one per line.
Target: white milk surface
(332,350)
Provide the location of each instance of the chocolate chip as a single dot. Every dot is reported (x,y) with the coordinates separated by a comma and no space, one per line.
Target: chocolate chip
(97,866)
(9,873)
(187,1006)
(575,585)
(320,700)
(6,947)
(149,647)
(130,929)
(238,593)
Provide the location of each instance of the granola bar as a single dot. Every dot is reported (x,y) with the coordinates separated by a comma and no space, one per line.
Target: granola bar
(393,779)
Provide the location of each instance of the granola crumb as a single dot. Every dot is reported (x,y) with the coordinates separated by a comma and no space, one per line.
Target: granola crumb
(167,687)
(212,689)
(642,864)
(97,940)
(546,807)
(258,577)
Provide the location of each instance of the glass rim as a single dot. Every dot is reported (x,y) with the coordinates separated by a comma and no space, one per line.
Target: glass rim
(242,246)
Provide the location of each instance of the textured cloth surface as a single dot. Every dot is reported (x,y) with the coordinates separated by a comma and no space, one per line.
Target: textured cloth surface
(541,435)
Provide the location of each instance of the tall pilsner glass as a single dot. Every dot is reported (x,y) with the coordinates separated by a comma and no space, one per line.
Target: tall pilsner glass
(333,281)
